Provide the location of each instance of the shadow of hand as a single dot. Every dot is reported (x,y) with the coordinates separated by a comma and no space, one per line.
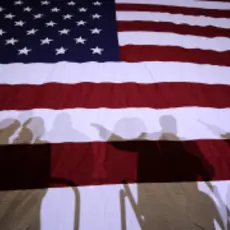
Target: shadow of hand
(9,130)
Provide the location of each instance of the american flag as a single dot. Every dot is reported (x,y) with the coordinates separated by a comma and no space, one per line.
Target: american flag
(107,92)
(104,92)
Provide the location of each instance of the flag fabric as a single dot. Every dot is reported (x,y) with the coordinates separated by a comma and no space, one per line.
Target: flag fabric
(112,92)
(54,31)
(109,92)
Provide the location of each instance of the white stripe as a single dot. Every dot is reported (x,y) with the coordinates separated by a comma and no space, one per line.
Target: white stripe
(143,72)
(77,125)
(183,3)
(173,18)
(170,39)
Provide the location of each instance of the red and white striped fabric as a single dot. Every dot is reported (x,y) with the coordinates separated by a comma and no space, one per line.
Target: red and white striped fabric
(103,123)
(181,31)
(174,79)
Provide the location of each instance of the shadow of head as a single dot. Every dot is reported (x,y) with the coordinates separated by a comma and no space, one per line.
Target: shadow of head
(168,124)
(125,129)
(129,128)
(62,121)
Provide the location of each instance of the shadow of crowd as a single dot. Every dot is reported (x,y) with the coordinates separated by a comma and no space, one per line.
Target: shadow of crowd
(21,169)
(169,160)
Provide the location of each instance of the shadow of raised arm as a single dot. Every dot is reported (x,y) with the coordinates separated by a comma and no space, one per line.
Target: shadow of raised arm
(107,135)
(215,129)
(7,128)
(31,132)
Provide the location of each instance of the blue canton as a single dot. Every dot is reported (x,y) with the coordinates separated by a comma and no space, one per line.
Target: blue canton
(52,31)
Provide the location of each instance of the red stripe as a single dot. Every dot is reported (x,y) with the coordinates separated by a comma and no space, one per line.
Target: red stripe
(174,10)
(49,165)
(93,95)
(135,53)
(208,31)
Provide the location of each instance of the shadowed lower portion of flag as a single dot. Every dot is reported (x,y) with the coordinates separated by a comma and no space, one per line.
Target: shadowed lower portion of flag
(67,164)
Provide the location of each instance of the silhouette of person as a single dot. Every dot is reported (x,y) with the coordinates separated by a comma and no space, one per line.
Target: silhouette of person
(168,130)
(26,168)
(129,127)
(171,206)
(23,167)
(168,160)
(163,161)
(21,209)
(99,149)
(63,130)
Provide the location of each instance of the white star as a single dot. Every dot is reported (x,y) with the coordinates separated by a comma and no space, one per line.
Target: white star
(2,32)
(80,23)
(24,51)
(45,2)
(64,31)
(27,9)
(19,23)
(11,41)
(80,40)
(60,51)
(37,16)
(67,16)
(32,31)
(1,9)
(96,50)
(96,16)
(9,16)
(55,9)
(51,23)
(95,31)
(71,3)
(46,41)
(18,2)
(82,9)
(97,3)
